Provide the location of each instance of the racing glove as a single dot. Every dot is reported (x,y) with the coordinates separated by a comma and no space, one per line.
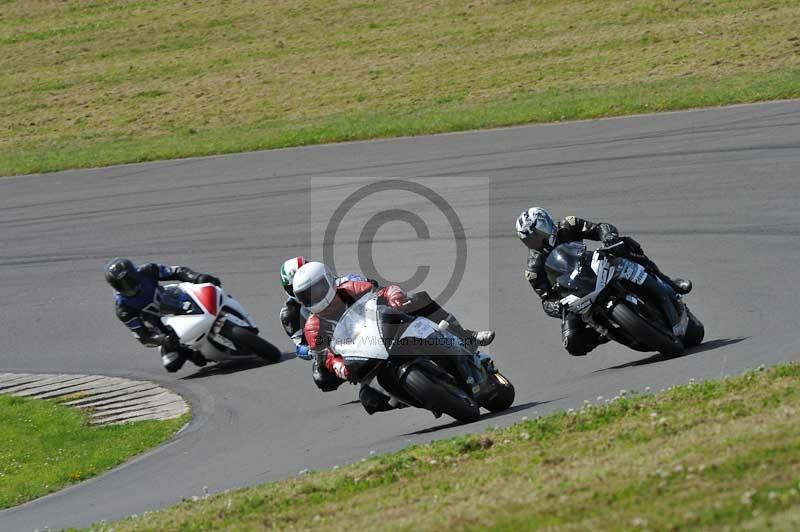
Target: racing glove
(302,352)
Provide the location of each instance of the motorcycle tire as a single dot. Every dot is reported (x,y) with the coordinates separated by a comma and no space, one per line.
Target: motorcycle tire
(502,396)
(441,396)
(642,330)
(253,342)
(695,331)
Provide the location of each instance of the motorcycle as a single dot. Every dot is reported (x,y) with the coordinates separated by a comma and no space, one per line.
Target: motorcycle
(212,322)
(418,362)
(622,301)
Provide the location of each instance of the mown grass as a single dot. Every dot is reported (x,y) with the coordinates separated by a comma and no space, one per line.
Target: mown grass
(711,455)
(107,81)
(45,446)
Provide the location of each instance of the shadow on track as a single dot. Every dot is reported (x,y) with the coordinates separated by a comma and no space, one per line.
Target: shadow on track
(235,366)
(658,357)
(513,409)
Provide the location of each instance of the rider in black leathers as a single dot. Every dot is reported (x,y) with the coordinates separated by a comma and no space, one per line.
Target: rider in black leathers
(536,229)
(137,306)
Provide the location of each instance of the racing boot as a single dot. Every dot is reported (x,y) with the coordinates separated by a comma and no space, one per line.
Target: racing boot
(481,338)
(172,361)
(681,286)
(472,339)
(374,401)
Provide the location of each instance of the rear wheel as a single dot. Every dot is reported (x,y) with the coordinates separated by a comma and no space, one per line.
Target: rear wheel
(252,342)
(502,395)
(441,396)
(645,332)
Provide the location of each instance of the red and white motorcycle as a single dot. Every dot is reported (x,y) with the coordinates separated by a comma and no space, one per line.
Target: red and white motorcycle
(212,322)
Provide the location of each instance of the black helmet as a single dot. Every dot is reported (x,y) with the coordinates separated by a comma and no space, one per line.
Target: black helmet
(121,274)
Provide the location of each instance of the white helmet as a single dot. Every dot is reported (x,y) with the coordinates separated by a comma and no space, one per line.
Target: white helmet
(314,286)
(535,228)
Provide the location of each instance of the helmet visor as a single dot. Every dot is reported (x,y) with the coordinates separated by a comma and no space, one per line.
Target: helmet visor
(311,295)
(126,285)
(536,240)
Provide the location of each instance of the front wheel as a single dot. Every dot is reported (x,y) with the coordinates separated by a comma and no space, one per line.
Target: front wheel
(646,333)
(251,341)
(502,395)
(440,396)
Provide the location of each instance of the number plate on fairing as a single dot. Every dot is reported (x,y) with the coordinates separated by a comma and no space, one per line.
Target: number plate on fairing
(421,328)
(633,272)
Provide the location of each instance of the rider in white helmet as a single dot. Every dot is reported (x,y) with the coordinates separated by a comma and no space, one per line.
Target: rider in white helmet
(316,288)
(536,229)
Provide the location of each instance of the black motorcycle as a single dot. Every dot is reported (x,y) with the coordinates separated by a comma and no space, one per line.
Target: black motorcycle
(622,301)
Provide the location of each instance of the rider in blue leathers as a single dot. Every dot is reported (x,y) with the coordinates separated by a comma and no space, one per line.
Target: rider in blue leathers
(137,306)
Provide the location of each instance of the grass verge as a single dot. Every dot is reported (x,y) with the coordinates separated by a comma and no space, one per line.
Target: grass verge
(710,455)
(96,83)
(47,446)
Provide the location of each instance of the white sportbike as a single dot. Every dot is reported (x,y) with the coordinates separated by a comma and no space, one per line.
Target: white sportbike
(212,322)
(418,362)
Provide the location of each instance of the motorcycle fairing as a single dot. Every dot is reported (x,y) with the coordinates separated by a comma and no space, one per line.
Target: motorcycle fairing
(606,272)
(207,295)
(196,327)
(358,334)
(420,328)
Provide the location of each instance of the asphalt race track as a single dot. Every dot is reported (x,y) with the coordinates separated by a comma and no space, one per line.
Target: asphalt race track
(712,195)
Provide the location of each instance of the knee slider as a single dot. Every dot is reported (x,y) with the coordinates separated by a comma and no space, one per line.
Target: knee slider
(373,401)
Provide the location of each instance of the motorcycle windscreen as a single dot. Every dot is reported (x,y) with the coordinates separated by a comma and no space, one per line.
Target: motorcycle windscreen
(569,269)
(175,302)
(357,334)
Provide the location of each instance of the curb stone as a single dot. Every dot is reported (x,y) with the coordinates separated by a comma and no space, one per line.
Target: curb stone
(110,400)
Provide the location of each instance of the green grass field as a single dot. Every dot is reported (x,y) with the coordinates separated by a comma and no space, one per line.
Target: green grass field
(88,83)
(712,456)
(45,446)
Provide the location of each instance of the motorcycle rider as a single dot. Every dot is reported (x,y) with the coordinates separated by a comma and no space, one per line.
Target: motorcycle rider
(536,229)
(293,315)
(137,306)
(316,289)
